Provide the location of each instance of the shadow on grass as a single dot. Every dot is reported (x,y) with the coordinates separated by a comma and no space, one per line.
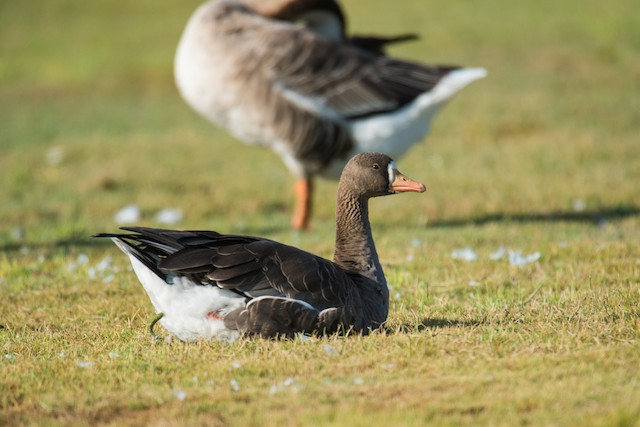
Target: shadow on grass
(595,217)
(431,323)
(438,322)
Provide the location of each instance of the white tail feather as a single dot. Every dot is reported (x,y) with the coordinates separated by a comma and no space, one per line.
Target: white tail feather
(454,82)
(394,133)
(186,305)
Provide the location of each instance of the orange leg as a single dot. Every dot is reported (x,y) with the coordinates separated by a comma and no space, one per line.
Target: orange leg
(302,211)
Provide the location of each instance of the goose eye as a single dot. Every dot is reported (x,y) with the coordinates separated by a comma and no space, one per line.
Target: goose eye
(376,166)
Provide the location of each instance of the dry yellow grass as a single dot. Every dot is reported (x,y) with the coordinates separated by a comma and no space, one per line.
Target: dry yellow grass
(541,156)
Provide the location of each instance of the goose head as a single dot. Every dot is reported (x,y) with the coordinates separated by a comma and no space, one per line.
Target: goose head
(324,17)
(376,174)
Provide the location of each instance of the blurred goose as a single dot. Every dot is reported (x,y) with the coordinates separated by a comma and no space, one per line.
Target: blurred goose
(309,93)
(210,285)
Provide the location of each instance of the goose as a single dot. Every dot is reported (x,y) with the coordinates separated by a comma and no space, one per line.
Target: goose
(207,285)
(310,93)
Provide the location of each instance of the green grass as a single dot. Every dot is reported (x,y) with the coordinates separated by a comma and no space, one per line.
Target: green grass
(556,122)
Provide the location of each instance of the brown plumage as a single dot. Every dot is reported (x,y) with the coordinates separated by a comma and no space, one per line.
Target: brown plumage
(213,285)
(310,93)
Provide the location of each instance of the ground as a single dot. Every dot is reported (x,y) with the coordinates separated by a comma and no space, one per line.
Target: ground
(515,299)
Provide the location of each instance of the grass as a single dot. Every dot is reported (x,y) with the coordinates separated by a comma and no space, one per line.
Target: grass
(541,156)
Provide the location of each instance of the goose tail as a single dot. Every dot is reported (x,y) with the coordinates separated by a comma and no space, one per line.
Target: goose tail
(145,266)
(454,82)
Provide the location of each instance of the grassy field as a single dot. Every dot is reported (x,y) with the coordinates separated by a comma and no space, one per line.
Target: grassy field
(543,157)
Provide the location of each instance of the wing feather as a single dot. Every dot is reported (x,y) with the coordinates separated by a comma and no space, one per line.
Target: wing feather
(248,265)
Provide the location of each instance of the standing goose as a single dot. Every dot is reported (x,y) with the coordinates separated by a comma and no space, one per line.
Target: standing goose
(210,285)
(308,93)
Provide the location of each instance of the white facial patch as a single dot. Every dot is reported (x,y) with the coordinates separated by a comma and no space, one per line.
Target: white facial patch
(391,171)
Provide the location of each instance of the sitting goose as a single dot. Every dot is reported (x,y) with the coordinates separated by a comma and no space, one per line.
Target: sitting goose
(309,93)
(210,285)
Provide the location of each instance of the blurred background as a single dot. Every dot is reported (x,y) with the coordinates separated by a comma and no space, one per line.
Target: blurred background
(541,159)
(91,121)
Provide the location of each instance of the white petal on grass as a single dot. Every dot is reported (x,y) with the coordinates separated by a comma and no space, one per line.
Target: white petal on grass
(104,264)
(180,394)
(465,254)
(330,350)
(113,355)
(579,205)
(9,356)
(473,283)
(169,216)
(84,364)
(498,254)
(236,365)
(289,383)
(127,215)
(82,259)
(388,365)
(517,258)
(55,155)
(235,386)
(358,381)
(303,338)
(17,233)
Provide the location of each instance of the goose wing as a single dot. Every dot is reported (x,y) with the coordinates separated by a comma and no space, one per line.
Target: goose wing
(261,267)
(252,266)
(340,80)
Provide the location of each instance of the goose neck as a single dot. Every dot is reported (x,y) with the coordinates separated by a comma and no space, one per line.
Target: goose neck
(355,250)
